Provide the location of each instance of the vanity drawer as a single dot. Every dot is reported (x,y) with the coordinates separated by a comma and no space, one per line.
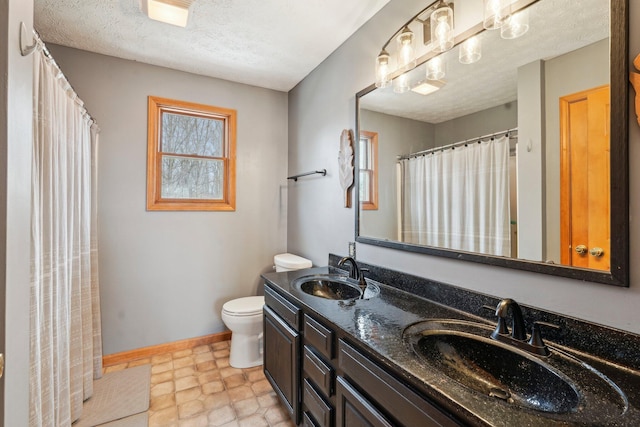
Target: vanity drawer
(318,336)
(321,411)
(318,371)
(402,403)
(286,310)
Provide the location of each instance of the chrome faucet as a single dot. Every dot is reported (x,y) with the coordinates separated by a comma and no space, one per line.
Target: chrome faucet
(518,331)
(355,272)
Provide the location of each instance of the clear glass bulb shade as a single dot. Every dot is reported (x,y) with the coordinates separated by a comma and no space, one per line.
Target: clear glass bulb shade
(383,69)
(435,68)
(495,11)
(442,29)
(470,51)
(401,83)
(406,50)
(515,25)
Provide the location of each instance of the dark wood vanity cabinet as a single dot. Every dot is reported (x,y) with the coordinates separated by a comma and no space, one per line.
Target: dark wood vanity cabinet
(282,351)
(325,381)
(380,392)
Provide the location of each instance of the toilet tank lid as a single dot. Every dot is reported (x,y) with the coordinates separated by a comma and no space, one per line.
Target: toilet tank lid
(291,261)
(244,305)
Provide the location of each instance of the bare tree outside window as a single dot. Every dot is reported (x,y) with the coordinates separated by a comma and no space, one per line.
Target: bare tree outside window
(191,156)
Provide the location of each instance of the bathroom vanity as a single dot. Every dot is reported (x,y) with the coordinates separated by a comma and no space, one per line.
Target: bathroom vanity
(385,359)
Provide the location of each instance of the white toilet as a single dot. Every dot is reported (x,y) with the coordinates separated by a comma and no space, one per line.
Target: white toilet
(243,316)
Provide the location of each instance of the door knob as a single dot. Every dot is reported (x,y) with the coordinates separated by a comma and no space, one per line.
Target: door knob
(581,249)
(1,364)
(596,252)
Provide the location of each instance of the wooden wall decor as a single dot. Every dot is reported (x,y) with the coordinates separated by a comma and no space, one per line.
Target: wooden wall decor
(345,165)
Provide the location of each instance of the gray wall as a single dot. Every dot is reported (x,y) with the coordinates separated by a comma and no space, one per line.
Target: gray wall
(396,136)
(323,104)
(16,122)
(483,122)
(165,275)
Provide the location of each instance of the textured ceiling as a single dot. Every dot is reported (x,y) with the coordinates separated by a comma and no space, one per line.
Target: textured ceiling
(556,27)
(267,43)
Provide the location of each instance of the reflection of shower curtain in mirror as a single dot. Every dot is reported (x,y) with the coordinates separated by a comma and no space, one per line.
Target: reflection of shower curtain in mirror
(458,198)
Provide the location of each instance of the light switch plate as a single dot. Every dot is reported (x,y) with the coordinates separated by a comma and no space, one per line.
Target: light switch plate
(352,249)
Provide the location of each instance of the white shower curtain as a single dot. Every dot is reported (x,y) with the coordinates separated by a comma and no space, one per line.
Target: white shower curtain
(66,343)
(459,198)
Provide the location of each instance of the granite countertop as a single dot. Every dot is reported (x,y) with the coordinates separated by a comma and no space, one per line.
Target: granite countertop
(377,325)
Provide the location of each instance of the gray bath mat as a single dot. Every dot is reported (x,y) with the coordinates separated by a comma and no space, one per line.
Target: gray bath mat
(117,395)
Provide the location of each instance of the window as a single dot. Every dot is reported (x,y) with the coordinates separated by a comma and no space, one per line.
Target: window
(368,155)
(191,157)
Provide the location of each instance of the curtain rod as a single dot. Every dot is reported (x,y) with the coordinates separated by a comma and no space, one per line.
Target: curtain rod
(456,144)
(38,43)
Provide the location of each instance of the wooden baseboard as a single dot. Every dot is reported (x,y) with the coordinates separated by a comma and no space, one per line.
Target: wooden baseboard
(142,353)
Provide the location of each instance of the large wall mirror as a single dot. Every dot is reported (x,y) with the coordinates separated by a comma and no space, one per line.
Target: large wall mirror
(518,159)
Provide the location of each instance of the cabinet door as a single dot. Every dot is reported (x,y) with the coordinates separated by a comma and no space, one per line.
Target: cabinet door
(353,409)
(282,361)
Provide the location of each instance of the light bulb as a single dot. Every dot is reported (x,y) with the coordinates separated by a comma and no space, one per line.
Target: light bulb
(515,25)
(495,11)
(406,51)
(442,28)
(401,83)
(470,51)
(435,68)
(382,69)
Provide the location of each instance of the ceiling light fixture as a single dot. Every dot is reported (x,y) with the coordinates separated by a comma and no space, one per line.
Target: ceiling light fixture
(174,12)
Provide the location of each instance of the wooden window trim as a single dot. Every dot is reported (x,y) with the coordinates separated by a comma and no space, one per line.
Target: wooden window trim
(372,204)
(156,107)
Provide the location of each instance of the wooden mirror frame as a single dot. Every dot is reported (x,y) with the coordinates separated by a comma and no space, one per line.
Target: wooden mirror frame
(619,273)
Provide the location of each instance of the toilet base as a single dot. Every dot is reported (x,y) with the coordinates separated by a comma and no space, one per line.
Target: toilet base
(246,350)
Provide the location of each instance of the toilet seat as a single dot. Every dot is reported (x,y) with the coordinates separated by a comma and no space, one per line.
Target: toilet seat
(247,306)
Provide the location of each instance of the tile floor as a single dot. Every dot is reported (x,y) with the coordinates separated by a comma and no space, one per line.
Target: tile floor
(198,388)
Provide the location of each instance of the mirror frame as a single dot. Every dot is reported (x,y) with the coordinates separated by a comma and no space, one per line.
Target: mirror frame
(619,167)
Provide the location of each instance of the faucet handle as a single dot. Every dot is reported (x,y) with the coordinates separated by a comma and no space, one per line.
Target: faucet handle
(501,327)
(536,337)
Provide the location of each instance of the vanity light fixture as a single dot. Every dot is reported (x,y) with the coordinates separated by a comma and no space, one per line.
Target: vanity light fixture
(401,83)
(383,69)
(515,25)
(426,87)
(406,50)
(435,68)
(470,50)
(442,27)
(174,12)
(495,12)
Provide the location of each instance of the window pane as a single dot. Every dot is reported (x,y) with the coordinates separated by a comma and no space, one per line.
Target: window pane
(184,178)
(365,152)
(182,134)
(365,186)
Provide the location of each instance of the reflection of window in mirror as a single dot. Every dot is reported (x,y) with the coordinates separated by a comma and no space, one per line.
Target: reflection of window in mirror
(368,155)
(191,156)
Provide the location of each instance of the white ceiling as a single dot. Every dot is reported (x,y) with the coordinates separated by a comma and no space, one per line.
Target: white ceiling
(267,43)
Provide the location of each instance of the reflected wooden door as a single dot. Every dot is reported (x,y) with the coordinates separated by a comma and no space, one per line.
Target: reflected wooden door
(584,179)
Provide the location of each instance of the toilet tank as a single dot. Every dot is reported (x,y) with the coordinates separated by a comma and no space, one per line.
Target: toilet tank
(290,262)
